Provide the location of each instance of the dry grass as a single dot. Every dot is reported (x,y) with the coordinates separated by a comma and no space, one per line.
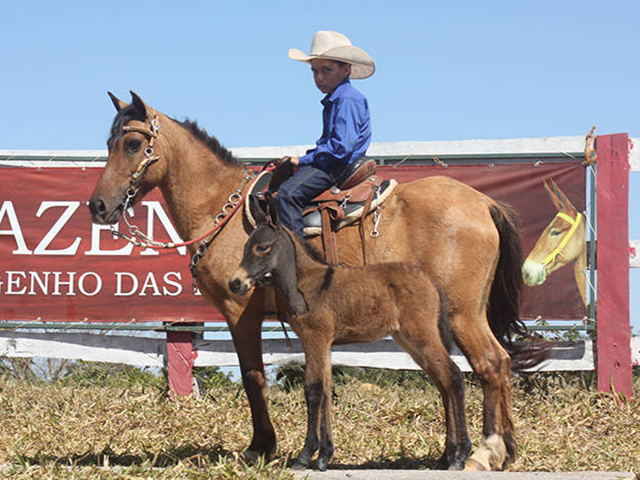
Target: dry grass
(71,431)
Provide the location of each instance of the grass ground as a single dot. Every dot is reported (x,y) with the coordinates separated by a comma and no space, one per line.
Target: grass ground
(74,428)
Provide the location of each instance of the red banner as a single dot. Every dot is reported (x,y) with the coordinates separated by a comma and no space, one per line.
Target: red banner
(58,266)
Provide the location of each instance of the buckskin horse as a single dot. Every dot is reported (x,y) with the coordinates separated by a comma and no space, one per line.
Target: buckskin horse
(336,306)
(466,241)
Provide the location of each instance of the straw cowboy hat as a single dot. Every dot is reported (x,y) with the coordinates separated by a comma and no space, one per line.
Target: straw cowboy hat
(335,46)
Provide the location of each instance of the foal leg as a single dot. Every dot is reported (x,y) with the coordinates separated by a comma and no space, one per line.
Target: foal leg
(492,365)
(317,391)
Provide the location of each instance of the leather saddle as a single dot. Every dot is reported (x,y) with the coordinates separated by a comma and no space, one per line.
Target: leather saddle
(358,192)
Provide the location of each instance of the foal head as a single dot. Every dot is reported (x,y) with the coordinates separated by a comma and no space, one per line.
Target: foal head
(269,258)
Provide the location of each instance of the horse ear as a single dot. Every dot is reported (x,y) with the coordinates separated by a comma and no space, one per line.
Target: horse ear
(119,104)
(567,206)
(272,209)
(139,105)
(552,193)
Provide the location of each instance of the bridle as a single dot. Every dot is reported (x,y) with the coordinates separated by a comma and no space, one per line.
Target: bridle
(575,222)
(139,239)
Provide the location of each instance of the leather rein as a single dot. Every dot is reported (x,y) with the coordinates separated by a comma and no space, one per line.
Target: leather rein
(139,239)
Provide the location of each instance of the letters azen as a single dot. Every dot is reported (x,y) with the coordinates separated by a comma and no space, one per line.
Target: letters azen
(59,266)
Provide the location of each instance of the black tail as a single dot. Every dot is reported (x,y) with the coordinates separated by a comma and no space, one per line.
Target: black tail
(505,298)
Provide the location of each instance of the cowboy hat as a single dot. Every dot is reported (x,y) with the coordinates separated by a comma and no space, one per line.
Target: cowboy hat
(335,46)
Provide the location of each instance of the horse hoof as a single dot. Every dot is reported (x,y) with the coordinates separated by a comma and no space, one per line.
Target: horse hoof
(457,465)
(473,466)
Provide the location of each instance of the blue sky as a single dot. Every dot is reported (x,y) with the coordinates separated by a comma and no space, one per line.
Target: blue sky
(455,70)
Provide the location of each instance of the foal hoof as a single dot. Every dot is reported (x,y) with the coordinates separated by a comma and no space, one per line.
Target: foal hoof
(322,464)
(298,465)
(251,457)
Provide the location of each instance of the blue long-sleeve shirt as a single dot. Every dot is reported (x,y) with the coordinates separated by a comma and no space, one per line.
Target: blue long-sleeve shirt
(346,129)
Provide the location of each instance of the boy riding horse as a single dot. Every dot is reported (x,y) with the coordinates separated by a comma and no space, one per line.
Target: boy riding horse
(346,126)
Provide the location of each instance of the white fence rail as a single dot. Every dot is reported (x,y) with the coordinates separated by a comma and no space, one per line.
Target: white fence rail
(151,352)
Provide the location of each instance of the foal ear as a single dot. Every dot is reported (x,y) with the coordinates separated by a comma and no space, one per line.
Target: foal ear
(257,211)
(119,104)
(272,209)
(139,105)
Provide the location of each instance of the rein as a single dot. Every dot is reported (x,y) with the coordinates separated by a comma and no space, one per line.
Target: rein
(575,222)
(139,239)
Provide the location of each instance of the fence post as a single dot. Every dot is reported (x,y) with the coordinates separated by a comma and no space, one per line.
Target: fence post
(181,355)
(613,323)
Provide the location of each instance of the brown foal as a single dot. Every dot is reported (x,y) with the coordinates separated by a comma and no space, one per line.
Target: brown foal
(328,305)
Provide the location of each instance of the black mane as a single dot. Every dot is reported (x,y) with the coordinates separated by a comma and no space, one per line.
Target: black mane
(210,141)
(130,112)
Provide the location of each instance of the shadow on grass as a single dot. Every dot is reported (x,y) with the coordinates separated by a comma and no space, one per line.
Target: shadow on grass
(398,463)
(185,453)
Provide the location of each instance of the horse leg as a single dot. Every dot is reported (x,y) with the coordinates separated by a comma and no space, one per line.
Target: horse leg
(433,358)
(492,365)
(317,391)
(246,334)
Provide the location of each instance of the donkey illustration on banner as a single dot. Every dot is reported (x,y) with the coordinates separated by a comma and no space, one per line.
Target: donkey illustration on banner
(465,240)
(328,305)
(562,242)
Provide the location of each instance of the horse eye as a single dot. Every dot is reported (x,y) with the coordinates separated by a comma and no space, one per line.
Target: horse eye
(555,233)
(133,145)
(262,249)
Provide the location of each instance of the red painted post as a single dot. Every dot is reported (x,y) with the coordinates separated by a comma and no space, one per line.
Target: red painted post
(613,324)
(181,356)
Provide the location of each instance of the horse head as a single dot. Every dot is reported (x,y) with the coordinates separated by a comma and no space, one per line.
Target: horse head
(561,242)
(269,258)
(133,147)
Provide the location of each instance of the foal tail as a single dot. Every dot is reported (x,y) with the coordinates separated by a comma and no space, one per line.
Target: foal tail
(505,297)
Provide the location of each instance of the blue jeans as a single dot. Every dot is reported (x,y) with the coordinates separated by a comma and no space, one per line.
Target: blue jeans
(297,191)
